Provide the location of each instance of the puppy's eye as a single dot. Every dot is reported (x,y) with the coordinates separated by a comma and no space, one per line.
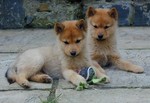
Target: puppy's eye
(78,41)
(106,27)
(95,26)
(66,42)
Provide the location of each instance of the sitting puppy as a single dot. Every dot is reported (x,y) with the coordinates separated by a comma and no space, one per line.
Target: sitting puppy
(68,55)
(102,24)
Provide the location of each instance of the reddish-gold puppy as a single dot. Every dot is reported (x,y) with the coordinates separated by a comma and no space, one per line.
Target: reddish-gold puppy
(102,24)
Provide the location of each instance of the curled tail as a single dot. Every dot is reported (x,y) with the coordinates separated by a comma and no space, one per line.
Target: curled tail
(11,74)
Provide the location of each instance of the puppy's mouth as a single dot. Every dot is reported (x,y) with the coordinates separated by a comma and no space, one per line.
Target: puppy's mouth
(73,56)
(100,39)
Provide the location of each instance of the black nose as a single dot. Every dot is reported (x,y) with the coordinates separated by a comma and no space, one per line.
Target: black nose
(100,36)
(73,53)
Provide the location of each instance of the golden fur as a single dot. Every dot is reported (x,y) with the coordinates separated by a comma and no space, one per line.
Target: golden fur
(67,56)
(102,24)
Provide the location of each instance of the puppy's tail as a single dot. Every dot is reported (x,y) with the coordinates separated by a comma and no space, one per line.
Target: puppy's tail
(11,74)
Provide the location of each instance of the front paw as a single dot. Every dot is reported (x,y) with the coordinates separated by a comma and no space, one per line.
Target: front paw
(80,80)
(82,86)
(107,79)
(138,69)
(25,84)
(81,83)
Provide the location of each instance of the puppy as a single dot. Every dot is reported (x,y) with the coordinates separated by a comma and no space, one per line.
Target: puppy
(68,55)
(102,24)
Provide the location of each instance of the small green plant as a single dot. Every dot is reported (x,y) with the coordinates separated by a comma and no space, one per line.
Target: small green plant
(81,86)
(51,100)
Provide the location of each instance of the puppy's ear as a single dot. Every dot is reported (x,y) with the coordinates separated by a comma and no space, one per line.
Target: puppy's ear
(81,24)
(113,13)
(90,12)
(59,27)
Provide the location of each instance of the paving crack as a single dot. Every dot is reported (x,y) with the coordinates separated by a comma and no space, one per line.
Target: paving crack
(123,87)
(45,89)
(52,95)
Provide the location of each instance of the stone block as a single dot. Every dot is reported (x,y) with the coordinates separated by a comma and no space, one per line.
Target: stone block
(45,14)
(13,14)
(142,14)
(1,14)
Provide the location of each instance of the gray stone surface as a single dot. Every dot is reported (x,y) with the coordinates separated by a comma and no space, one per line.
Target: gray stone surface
(22,39)
(104,96)
(23,96)
(133,38)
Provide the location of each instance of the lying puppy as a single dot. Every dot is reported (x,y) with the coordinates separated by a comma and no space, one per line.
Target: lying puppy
(102,24)
(68,55)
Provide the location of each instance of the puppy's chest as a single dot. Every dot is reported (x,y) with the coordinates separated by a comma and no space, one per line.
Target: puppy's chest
(102,50)
(78,64)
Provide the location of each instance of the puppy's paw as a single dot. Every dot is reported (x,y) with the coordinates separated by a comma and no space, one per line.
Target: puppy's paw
(46,79)
(25,84)
(82,86)
(137,69)
(80,80)
(107,79)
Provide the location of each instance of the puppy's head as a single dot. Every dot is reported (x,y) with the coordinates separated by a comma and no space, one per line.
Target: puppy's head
(71,35)
(101,22)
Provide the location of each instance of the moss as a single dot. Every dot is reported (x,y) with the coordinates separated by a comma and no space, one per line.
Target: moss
(42,23)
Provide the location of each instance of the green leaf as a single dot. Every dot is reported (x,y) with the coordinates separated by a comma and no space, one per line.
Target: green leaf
(82,86)
(99,80)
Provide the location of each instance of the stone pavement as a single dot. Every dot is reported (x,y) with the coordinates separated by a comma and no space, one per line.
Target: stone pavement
(125,87)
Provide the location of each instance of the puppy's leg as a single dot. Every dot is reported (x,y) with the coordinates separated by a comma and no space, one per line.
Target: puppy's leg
(125,65)
(22,81)
(101,59)
(73,77)
(41,78)
(94,63)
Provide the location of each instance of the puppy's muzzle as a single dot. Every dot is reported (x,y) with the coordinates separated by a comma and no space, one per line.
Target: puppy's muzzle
(100,36)
(73,53)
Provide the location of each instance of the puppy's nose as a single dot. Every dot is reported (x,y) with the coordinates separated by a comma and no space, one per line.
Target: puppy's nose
(100,36)
(73,53)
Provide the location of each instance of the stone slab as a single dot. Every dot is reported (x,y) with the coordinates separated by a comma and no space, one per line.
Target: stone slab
(133,38)
(5,61)
(22,39)
(104,96)
(23,96)
(123,79)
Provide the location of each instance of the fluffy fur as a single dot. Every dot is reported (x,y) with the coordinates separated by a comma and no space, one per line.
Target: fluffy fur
(102,24)
(67,56)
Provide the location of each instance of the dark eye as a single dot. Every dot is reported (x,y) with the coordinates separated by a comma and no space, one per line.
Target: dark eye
(66,42)
(78,41)
(106,27)
(95,26)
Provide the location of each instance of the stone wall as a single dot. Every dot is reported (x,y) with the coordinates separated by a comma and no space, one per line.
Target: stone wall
(44,13)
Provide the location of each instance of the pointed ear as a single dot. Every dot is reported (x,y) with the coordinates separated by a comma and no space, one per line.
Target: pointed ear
(113,13)
(81,24)
(59,27)
(90,12)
